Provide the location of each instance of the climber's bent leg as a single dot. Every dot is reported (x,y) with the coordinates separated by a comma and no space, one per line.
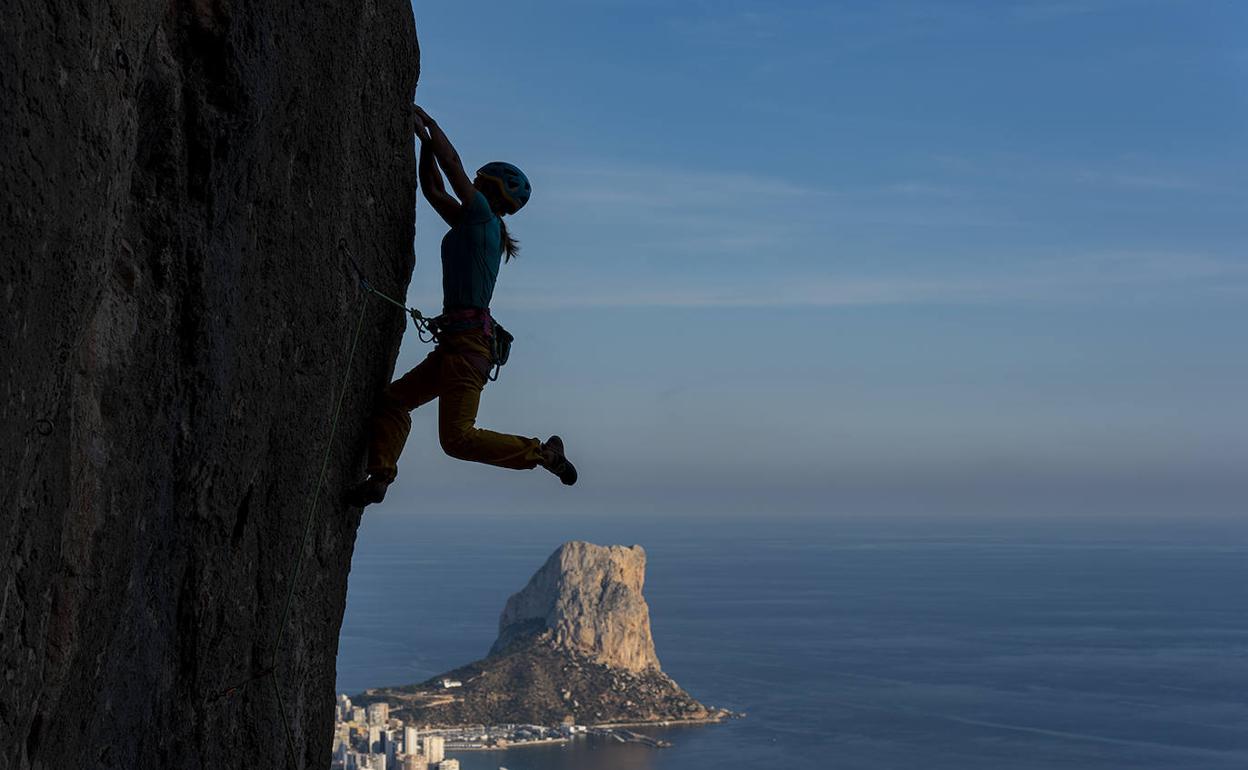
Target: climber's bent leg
(391,423)
(462,381)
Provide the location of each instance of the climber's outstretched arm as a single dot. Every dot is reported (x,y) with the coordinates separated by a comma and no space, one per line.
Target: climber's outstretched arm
(431,184)
(446,155)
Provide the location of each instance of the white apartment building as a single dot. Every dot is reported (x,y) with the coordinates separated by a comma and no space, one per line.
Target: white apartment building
(435,749)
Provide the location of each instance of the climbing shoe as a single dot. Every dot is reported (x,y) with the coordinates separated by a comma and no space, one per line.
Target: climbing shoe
(556,462)
(369,491)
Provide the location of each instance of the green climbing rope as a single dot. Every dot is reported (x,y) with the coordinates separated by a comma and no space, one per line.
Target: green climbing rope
(320,479)
(422,324)
(271,671)
(307,528)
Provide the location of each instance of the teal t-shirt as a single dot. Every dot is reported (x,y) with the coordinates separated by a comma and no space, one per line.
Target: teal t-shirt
(471,253)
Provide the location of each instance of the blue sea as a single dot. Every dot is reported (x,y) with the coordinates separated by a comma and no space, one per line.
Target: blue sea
(861,643)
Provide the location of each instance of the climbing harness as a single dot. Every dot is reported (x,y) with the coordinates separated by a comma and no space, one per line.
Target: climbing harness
(501,349)
(449,322)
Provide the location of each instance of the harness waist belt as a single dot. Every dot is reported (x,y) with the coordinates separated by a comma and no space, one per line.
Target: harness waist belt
(464,319)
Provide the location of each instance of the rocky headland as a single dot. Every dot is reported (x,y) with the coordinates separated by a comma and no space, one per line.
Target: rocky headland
(573,646)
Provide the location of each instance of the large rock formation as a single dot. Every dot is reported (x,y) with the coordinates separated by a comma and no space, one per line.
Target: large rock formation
(588,599)
(174,179)
(573,646)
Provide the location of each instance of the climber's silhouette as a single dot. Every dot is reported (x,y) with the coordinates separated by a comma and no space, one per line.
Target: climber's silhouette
(468,338)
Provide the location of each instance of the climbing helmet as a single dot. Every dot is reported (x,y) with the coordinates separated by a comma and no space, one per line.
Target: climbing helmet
(511,180)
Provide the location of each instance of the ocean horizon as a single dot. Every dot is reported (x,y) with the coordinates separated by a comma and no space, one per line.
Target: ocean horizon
(860,642)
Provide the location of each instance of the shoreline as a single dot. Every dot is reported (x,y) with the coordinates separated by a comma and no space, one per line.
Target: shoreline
(608,725)
(565,740)
(665,722)
(519,745)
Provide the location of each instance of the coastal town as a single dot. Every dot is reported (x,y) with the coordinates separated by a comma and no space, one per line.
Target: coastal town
(370,738)
(588,672)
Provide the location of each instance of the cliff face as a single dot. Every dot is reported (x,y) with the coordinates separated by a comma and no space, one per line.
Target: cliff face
(175,177)
(588,597)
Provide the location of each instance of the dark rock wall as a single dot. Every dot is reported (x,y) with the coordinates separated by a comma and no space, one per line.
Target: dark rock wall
(174,323)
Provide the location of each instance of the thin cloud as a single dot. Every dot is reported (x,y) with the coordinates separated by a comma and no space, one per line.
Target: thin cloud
(697,200)
(652,187)
(712,239)
(1063,9)
(1092,279)
(1137,181)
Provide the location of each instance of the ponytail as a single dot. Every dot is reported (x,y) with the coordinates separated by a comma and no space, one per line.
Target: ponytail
(511,247)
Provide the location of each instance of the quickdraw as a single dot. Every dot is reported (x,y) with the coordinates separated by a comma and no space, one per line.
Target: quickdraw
(429,329)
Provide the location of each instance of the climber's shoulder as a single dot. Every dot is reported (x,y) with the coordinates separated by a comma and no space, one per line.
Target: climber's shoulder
(476,209)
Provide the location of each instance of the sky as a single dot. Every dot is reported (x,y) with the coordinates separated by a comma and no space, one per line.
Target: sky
(862,258)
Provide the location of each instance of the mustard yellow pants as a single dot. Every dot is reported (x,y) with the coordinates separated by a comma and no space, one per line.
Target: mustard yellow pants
(453,374)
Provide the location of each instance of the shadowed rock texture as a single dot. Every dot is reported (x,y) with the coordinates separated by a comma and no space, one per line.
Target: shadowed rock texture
(573,646)
(175,320)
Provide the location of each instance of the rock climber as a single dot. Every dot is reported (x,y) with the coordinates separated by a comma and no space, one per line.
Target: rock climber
(467,336)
